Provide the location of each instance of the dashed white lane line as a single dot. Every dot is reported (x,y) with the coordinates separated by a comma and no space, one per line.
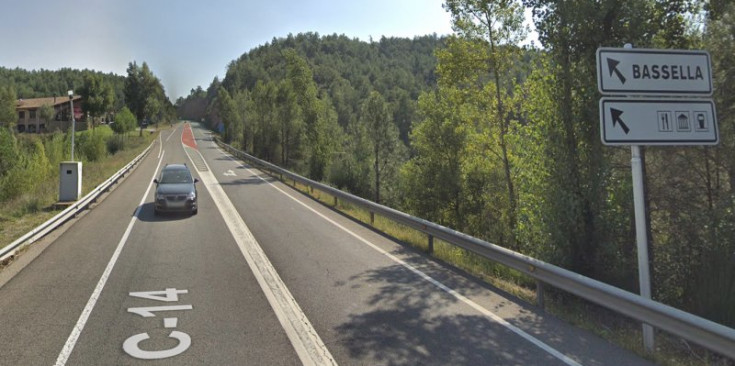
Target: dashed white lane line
(308,345)
(533,340)
(77,331)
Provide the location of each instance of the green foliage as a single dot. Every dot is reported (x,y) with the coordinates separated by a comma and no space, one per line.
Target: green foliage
(97,95)
(47,83)
(8,116)
(8,150)
(124,121)
(46,113)
(432,181)
(144,94)
(291,121)
(229,115)
(299,100)
(504,139)
(92,146)
(352,168)
(115,143)
(383,139)
(31,167)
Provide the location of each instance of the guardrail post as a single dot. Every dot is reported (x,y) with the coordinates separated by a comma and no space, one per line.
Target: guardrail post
(372,218)
(430,250)
(540,294)
(335,201)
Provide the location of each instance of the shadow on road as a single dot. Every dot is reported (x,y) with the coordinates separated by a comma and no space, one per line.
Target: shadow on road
(415,323)
(146,214)
(237,182)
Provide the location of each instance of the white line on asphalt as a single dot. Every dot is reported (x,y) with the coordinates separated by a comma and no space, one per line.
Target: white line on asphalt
(562,357)
(307,343)
(172,133)
(77,331)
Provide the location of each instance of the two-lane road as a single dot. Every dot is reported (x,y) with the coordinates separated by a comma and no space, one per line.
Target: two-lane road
(261,276)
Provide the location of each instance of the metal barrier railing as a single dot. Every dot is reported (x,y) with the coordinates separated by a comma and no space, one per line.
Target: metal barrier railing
(706,333)
(71,211)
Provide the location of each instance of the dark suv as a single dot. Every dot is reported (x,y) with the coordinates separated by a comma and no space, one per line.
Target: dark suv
(176,190)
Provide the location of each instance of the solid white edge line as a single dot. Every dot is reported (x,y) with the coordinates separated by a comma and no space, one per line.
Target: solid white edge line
(306,342)
(77,331)
(562,357)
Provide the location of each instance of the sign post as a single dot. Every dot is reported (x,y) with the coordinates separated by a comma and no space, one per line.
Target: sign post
(629,119)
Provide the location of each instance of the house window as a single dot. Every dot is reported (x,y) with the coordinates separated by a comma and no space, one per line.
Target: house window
(21,115)
(33,114)
(21,128)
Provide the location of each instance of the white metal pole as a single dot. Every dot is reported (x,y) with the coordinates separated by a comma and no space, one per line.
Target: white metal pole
(644,276)
(73,125)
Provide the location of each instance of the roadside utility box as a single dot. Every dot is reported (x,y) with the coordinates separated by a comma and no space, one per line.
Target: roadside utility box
(70,181)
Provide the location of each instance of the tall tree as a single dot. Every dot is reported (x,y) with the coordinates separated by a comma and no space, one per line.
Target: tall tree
(97,96)
(140,84)
(571,31)
(382,134)
(315,113)
(230,116)
(499,25)
(432,180)
(289,116)
(134,86)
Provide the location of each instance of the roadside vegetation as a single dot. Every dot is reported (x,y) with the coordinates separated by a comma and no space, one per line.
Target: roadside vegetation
(29,191)
(489,135)
(29,163)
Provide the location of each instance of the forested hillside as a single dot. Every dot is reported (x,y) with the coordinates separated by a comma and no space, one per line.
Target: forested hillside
(47,83)
(344,69)
(502,141)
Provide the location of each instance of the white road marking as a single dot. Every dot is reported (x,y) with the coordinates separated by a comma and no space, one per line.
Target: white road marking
(230,173)
(535,341)
(77,331)
(308,345)
(172,133)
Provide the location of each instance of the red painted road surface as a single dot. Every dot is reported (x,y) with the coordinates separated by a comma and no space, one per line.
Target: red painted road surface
(188,137)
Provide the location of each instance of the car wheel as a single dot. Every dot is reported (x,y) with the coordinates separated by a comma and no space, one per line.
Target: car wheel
(194,211)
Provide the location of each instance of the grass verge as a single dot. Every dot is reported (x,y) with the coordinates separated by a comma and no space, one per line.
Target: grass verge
(27,211)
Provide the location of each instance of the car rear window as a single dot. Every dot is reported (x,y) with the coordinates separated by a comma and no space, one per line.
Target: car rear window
(176,176)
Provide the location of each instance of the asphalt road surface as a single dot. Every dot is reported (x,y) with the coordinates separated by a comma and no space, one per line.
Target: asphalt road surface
(262,275)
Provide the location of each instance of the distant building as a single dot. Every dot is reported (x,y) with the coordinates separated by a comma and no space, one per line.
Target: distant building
(29,118)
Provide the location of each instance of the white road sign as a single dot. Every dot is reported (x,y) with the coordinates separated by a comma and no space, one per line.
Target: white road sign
(644,121)
(648,71)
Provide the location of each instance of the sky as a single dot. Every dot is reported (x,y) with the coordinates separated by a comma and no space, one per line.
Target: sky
(185,42)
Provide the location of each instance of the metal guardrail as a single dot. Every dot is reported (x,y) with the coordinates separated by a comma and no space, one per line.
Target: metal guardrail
(706,333)
(71,211)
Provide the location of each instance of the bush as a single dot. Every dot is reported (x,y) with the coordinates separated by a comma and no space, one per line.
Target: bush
(92,146)
(115,144)
(30,169)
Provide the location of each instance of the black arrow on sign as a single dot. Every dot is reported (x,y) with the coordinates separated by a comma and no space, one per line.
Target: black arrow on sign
(612,65)
(616,119)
